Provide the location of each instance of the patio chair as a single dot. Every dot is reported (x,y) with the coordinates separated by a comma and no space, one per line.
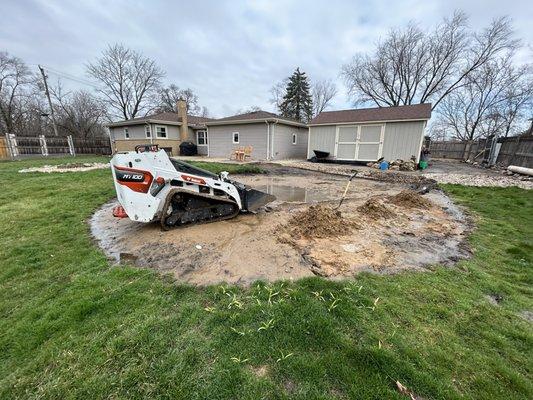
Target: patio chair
(237,154)
(247,152)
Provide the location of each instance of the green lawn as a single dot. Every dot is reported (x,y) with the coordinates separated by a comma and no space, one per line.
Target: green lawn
(72,326)
(229,167)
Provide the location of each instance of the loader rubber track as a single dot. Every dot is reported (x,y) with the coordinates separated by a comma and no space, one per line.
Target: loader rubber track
(192,208)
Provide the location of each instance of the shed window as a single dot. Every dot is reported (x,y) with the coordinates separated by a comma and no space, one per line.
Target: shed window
(148,131)
(161,131)
(235,137)
(201,138)
(126,133)
(294,138)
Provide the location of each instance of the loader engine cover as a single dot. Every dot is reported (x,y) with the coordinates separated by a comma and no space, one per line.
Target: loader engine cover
(151,186)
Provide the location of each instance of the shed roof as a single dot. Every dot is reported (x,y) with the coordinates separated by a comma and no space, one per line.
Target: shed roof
(398,113)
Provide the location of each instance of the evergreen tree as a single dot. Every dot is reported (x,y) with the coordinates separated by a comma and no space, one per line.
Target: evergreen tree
(297,102)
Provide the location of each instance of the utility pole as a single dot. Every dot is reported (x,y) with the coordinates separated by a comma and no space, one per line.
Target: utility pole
(49,100)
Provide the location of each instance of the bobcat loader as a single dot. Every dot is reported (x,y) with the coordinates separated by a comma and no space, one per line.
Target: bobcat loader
(151,186)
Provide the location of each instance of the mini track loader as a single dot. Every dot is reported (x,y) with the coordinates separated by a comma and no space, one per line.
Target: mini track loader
(151,186)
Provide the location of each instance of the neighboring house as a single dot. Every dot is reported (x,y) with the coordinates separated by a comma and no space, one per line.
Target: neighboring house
(164,129)
(271,136)
(371,133)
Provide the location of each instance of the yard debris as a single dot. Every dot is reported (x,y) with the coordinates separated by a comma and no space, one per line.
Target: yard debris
(69,167)
(375,209)
(398,164)
(403,390)
(409,199)
(319,222)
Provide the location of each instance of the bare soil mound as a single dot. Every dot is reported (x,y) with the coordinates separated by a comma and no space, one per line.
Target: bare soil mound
(319,222)
(409,199)
(374,209)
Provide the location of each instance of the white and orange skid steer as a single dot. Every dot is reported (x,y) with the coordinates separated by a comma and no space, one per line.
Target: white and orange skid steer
(151,186)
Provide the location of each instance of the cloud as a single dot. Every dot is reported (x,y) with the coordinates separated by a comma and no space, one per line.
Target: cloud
(229,52)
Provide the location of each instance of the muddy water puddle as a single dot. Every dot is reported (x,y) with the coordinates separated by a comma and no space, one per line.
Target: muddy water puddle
(252,246)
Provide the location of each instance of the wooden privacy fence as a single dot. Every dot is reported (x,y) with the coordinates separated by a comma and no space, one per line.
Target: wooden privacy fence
(516,150)
(13,147)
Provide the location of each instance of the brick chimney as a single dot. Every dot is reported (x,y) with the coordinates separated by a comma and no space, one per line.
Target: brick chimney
(182,113)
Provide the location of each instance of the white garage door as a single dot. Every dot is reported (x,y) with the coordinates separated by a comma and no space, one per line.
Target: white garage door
(359,142)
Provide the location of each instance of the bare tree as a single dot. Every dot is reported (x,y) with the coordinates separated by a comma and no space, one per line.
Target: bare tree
(278,92)
(79,113)
(323,92)
(488,102)
(169,96)
(412,66)
(205,112)
(247,110)
(129,80)
(15,83)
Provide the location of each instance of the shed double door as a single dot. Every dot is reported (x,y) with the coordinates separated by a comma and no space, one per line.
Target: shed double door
(359,142)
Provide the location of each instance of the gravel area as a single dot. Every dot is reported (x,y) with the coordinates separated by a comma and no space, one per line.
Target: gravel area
(439,170)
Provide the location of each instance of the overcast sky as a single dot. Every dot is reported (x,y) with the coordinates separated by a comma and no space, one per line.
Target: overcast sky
(229,52)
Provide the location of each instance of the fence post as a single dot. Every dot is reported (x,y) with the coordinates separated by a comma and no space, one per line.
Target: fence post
(12,145)
(44,146)
(71,145)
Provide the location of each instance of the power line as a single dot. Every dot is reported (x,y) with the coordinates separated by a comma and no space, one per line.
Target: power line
(71,77)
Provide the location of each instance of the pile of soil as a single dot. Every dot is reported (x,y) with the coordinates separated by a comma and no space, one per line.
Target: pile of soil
(319,222)
(374,209)
(410,199)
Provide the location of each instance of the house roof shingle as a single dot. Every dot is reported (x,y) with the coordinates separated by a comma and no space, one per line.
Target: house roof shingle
(259,115)
(165,117)
(409,112)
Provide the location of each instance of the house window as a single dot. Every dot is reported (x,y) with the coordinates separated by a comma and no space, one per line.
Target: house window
(161,131)
(294,138)
(235,136)
(201,138)
(126,133)
(148,131)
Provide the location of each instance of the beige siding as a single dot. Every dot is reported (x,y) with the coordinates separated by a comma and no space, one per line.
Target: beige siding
(403,140)
(321,138)
(129,145)
(282,142)
(220,139)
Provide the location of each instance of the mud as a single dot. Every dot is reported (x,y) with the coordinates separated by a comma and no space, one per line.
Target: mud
(298,235)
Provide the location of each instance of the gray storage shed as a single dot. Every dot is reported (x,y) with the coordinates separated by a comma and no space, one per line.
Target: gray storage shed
(371,133)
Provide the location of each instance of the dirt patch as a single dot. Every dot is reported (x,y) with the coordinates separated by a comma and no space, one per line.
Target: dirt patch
(374,209)
(299,236)
(494,298)
(410,199)
(260,371)
(319,221)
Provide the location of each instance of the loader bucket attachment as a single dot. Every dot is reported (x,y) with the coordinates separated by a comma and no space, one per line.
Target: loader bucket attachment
(255,199)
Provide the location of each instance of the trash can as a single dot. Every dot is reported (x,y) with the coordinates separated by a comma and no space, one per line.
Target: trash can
(188,149)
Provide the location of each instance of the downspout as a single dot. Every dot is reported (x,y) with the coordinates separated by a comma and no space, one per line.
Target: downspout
(273,137)
(268,140)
